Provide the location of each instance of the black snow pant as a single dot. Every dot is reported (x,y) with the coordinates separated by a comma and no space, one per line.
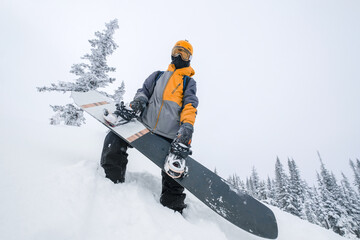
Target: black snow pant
(114,158)
(114,161)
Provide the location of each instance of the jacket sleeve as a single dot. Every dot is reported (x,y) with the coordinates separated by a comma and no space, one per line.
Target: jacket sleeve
(147,89)
(190,103)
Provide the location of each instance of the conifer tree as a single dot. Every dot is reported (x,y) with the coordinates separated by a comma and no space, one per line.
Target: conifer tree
(282,196)
(333,201)
(296,189)
(250,187)
(255,182)
(236,182)
(325,203)
(311,206)
(262,192)
(241,184)
(119,93)
(270,192)
(91,75)
(69,114)
(356,170)
(352,206)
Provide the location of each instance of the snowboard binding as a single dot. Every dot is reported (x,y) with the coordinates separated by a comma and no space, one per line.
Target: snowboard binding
(175,164)
(121,116)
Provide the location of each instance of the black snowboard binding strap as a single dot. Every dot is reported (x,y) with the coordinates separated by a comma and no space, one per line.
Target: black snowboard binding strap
(121,116)
(124,112)
(180,149)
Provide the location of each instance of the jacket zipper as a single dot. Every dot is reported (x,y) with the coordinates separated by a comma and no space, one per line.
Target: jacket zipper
(176,88)
(162,103)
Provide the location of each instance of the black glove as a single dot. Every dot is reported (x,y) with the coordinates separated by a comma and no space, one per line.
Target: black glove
(181,144)
(184,134)
(138,105)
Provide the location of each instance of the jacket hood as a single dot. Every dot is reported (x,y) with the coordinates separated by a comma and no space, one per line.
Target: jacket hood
(188,71)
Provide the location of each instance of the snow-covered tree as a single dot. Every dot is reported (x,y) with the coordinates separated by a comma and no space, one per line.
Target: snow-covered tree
(330,205)
(255,183)
(356,170)
(262,191)
(236,182)
(312,207)
(282,195)
(119,93)
(333,201)
(270,192)
(68,114)
(91,74)
(351,203)
(250,186)
(296,189)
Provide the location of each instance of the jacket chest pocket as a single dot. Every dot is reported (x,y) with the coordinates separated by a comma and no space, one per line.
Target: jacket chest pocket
(176,94)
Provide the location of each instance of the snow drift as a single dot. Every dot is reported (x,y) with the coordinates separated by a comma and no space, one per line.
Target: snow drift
(53,188)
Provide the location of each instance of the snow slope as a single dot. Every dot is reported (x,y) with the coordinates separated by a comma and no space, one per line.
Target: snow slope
(52,188)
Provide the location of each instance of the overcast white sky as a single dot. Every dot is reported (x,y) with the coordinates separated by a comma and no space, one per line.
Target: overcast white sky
(275,78)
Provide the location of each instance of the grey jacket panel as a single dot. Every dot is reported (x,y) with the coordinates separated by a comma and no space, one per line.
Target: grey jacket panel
(190,94)
(151,112)
(148,87)
(169,120)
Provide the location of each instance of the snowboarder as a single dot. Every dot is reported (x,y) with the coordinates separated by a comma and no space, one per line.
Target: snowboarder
(167,103)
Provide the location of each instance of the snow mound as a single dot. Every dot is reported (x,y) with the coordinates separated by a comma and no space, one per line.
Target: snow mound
(53,188)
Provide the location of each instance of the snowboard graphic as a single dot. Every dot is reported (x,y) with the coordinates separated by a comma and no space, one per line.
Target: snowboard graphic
(237,207)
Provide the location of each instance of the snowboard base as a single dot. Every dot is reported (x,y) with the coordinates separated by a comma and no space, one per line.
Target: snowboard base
(237,207)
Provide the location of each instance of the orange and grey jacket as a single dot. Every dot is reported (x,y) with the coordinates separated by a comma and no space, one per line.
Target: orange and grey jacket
(169,102)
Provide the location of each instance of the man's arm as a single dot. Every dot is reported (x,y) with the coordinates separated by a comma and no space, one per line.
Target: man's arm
(147,89)
(190,103)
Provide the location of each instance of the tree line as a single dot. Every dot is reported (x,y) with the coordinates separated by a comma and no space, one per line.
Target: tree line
(330,203)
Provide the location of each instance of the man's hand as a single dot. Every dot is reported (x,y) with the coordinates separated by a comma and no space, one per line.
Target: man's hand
(181,144)
(138,105)
(184,134)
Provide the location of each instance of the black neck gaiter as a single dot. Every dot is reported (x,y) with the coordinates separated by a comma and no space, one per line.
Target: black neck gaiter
(179,63)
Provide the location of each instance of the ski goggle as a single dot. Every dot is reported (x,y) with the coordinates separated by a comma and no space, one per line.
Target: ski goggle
(183,52)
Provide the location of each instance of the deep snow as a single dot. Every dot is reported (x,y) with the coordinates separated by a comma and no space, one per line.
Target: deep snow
(53,188)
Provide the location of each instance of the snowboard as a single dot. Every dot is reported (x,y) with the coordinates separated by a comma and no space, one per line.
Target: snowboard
(235,206)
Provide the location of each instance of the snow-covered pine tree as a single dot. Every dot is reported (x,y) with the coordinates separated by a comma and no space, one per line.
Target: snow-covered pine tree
(282,192)
(326,204)
(356,170)
(270,192)
(250,186)
(236,182)
(312,206)
(262,191)
(68,114)
(92,74)
(241,184)
(119,93)
(255,182)
(333,202)
(296,189)
(351,204)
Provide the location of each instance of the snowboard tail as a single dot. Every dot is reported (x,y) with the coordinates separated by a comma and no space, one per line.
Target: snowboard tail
(235,206)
